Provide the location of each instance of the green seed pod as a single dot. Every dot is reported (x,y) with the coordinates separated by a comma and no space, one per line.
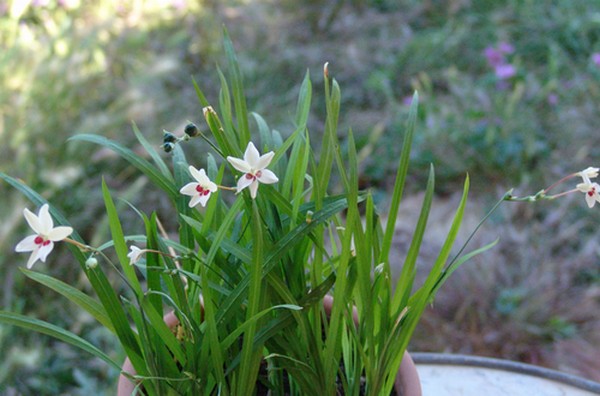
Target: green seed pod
(168,147)
(168,137)
(191,130)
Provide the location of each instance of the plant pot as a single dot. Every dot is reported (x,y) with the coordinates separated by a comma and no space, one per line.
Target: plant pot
(407,380)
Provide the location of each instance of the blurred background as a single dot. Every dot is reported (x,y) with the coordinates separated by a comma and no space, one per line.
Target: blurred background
(509,94)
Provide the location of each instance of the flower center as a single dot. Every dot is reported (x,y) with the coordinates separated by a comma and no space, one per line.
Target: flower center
(202,191)
(250,176)
(41,241)
(592,192)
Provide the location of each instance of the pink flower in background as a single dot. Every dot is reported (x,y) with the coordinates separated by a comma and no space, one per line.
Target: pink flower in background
(496,58)
(596,58)
(506,48)
(506,71)
(552,99)
(493,56)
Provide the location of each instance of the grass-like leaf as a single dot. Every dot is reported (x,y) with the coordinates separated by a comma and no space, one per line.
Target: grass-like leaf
(146,167)
(40,326)
(74,295)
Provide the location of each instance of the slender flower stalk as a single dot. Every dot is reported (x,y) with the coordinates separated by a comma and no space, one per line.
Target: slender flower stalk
(589,188)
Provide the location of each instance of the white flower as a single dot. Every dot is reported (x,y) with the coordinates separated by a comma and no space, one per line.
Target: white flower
(134,254)
(42,242)
(201,189)
(588,173)
(253,166)
(591,192)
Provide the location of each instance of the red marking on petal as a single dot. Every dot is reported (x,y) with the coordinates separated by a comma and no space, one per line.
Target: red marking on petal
(258,174)
(38,240)
(199,189)
(250,176)
(46,243)
(206,192)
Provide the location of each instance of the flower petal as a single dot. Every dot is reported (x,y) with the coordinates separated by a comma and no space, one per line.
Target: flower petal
(267,177)
(45,219)
(203,199)
(264,160)
(197,174)
(33,258)
(590,200)
(27,244)
(253,189)
(251,156)
(212,187)
(59,233)
(134,254)
(203,179)
(45,251)
(195,200)
(33,221)
(584,187)
(588,173)
(239,164)
(243,182)
(189,189)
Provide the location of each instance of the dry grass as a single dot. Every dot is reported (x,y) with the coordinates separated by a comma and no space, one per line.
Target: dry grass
(535,297)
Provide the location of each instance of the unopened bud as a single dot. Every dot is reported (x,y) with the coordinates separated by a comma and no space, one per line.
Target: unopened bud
(206,110)
(326,69)
(309,216)
(91,263)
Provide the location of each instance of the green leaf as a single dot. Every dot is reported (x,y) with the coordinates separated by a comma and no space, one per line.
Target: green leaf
(251,353)
(153,153)
(146,167)
(407,275)
(39,326)
(400,180)
(74,295)
(304,99)
(119,240)
(239,98)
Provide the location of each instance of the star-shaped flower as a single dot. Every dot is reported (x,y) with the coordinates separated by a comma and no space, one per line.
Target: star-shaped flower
(42,242)
(591,191)
(199,190)
(134,254)
(254,168)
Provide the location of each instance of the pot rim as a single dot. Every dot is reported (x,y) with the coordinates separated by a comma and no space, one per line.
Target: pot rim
(505,365)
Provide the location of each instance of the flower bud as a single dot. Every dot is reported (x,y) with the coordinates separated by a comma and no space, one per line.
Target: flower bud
(91,263)
(191,130)
(168,147)
(309,216)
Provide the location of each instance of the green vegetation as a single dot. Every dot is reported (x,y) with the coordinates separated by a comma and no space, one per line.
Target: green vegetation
(69,67)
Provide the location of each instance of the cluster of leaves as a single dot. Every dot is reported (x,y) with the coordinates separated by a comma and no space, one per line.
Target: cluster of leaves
(249,276)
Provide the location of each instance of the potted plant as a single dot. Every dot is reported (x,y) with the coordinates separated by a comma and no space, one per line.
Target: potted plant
(279,280)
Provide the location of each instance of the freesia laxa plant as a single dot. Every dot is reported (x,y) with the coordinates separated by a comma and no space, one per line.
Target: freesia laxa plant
(246,271)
